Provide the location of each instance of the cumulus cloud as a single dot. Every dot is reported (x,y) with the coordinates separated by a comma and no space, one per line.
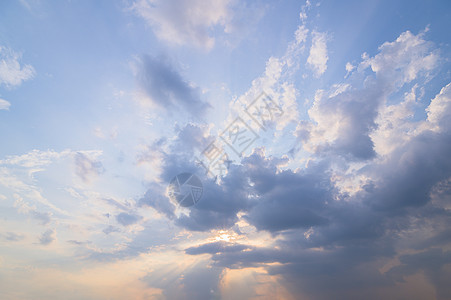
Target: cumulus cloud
(165,87)
(12,73)
(346,219)
(318,58)
(110,229)
(439,110)
(402,60)
(345,119)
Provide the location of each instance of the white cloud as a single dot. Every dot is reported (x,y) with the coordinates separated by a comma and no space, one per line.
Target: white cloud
(11,72)
(34,158)
(301,34)
(394,125)
(402,60)
(4,104)
(439,111)
(318,58)
(356,121)
(184,22)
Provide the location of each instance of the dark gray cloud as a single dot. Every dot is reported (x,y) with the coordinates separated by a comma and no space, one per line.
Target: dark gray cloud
(165,87)
(329,241)
(117,204)
(355,233)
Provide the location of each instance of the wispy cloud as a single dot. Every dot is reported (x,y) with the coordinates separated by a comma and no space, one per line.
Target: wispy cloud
(184,22)
(318,58)
(12,73)
(4,104)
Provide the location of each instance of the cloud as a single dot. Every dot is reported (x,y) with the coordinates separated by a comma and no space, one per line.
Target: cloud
(439,110)
(155,199)
(4,104)
(345,117)
(12,74)
(165,87)
(43,217)
(432,263)
(343,223)
(318,58)
(47,237)
(13,237)
(87,165)
(110,229)
(402,60)
(78,243)
(127,219)
(216,247)
(184,22)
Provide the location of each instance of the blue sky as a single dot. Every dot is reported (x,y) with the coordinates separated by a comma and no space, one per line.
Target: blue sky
(339,186)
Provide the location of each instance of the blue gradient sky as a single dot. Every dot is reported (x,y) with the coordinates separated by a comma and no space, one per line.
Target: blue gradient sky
(345,195)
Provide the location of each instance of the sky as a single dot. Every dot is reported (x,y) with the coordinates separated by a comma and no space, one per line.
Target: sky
(317,132)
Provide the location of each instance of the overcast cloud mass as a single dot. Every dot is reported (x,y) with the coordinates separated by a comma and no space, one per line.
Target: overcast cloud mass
(320,132)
